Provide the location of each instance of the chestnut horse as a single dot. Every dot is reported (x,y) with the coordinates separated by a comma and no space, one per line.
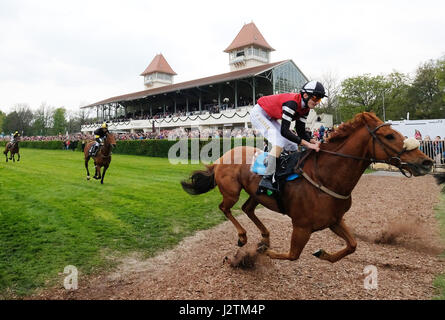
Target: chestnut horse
(320,198)
(12,148)
(102,158)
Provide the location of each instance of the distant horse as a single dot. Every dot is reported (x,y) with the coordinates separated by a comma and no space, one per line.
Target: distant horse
(12,148)
(102,158)
(321,198)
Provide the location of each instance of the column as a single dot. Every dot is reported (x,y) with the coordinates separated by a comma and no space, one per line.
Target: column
(236,94)
(253,91)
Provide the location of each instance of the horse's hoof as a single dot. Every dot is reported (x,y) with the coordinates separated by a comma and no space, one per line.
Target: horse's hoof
(88,178)
(262,248)
(318,253)
(240,244)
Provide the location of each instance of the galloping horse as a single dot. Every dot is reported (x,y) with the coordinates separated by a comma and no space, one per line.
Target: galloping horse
(13,148)
(323,196)
(102,158)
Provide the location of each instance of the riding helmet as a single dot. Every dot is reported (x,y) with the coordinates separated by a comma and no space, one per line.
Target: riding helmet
(314,88)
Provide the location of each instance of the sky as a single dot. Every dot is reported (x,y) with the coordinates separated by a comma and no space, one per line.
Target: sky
(72,53)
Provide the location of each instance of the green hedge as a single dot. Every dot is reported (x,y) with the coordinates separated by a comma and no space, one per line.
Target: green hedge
(151,148)
(39,144)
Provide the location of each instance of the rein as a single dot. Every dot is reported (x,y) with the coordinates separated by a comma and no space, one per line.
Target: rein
(108,155)
(391,160)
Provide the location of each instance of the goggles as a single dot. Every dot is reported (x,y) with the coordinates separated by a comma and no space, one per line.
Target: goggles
(315,99)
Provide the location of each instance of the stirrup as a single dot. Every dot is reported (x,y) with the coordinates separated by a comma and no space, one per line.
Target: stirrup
(267,188)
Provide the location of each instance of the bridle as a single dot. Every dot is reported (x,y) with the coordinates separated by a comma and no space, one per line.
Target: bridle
(391,160)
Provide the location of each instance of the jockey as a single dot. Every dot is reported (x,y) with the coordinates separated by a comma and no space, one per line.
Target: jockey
(99,135)
(287,107)
(14,136)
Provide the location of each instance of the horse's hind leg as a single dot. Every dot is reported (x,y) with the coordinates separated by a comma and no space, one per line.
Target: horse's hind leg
(343,232)
(300,236)
(230,197)
(249,208)
(98,170)
(86,167)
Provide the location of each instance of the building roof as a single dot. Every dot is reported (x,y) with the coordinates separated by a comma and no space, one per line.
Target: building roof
(229,76)
(249,35)
(158,64)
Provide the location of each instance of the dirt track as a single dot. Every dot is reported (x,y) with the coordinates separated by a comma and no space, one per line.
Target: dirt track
(391,216)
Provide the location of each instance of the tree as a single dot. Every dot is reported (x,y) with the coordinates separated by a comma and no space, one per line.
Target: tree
(42,120)
(59,121)
(362,93)
(395,99)
(330,104)
(2,119)
(425,95)
(18,120)
(441,77)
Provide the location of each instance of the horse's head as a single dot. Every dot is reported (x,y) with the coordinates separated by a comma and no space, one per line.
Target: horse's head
(111,140)
(390,146)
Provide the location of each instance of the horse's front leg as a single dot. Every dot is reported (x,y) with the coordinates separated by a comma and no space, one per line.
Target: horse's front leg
(13,157)
(6,155)
(343,232)
(18,154)
(103,174)
(300,236)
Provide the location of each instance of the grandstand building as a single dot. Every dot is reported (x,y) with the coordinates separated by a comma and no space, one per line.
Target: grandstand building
(221,101)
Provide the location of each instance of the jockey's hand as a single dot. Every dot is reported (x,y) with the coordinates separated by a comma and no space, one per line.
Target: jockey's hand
(314,146)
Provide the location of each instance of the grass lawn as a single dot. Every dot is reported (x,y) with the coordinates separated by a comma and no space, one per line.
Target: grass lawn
(51,216)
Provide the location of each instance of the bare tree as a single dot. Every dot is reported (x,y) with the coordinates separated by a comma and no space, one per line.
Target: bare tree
(42,119)
(333,87)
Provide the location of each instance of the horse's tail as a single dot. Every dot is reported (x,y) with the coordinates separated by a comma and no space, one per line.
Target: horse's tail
(201,181)
(440,179)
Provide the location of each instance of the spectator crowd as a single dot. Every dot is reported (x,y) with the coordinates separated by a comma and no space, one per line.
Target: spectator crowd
(435,149)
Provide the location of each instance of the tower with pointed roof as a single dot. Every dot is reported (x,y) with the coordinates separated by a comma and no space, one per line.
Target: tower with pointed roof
(158,73)
(248,49)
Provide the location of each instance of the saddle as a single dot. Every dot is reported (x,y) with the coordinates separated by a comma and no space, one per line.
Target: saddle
(285,166)
(93,150)
(285,171)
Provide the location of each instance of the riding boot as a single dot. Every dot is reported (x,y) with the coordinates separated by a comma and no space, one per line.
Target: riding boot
(266,184)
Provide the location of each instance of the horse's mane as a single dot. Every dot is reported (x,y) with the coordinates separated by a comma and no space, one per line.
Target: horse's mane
(345,130)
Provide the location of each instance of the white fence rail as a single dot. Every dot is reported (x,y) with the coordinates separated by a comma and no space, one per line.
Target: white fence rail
(435,150)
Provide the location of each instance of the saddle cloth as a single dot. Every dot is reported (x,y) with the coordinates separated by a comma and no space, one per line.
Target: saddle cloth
(285,167)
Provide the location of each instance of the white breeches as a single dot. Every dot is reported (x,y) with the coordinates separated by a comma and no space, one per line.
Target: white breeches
(270,129)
